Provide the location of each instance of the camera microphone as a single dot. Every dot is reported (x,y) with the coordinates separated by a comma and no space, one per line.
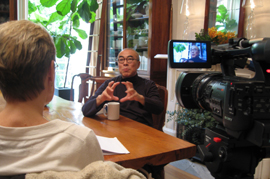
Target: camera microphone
(247,43)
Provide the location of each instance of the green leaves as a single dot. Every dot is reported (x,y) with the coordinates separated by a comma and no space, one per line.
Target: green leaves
(93,17)
(230,24)
(203,36)
(84,11)
(55,17)
(31,7)
(48,3)
(93,5)
(60,46)
(179,48)
(223,18)
(74,5)
(77,44)
(193,117)
(63,20)
(87,9)
(223,11)
(66,45)
(72,47)
(81,33)
(63,8)
(75,20)
(41,19)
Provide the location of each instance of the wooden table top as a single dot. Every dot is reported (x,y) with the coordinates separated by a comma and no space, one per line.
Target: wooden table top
(145,144)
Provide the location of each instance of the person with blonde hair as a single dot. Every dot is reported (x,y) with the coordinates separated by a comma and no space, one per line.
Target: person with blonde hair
(28,141)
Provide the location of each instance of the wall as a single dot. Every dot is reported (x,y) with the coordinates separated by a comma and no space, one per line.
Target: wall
(262,20)
(196,23)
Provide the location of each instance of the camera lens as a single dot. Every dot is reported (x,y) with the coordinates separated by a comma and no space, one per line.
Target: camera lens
(194,89)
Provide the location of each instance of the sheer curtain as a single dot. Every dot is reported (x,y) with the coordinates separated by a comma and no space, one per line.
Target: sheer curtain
(94,56)
(22,9)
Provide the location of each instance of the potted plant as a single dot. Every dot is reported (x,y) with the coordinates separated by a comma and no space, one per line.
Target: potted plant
(216,37)
(221,32)
(61,18)
(192,123)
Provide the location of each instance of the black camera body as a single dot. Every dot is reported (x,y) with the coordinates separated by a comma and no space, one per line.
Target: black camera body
(227,157)
(240,105)
(235,103)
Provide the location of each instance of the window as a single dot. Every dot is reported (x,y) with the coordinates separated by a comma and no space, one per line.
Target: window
(224,15)
(76,63)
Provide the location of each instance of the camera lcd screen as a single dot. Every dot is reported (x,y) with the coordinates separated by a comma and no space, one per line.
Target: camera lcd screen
(189,54)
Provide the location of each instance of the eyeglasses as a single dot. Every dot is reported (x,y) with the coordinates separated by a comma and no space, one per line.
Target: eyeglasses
(55,65)
(121,60)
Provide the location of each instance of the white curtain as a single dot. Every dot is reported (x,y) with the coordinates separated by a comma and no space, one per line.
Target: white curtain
(22,9)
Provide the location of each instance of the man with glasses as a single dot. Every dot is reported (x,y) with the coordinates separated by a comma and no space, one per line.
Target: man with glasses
(138,97)
(194,51)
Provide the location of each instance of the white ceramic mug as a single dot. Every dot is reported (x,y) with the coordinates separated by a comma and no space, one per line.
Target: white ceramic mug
(111,110)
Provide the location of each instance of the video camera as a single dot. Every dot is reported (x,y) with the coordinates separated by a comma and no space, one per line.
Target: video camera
(240,105)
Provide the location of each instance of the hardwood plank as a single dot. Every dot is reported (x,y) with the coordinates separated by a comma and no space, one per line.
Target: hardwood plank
(171,172)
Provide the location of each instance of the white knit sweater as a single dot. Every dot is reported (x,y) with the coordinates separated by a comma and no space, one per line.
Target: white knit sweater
(56,145)
(95,170)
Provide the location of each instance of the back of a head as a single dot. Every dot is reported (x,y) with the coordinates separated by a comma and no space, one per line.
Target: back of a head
(26,52)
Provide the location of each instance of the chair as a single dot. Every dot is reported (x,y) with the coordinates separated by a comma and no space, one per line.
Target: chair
(158,123)
(82,87)
(159,120)
(86,80)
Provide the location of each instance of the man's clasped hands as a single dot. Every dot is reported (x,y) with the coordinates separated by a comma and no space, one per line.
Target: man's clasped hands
(132,94)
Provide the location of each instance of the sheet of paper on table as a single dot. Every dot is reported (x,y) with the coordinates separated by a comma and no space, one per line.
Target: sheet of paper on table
(111,146)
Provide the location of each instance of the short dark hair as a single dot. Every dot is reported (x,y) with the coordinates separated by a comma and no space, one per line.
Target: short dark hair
(26,52)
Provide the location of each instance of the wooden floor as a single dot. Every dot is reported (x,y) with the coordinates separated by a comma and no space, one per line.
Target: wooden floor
(172,172)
